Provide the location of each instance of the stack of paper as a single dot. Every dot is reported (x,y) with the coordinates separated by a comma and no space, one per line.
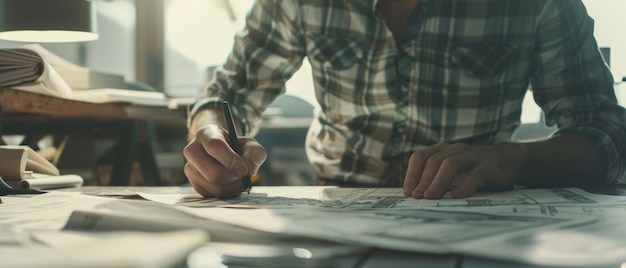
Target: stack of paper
(104,95)
(23,170)
(19,66)
(35,69)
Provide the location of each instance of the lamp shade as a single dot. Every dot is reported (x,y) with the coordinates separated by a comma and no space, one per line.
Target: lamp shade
(48,20)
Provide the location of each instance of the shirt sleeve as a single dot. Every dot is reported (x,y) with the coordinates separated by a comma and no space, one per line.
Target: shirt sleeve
(265,54)
(574,86)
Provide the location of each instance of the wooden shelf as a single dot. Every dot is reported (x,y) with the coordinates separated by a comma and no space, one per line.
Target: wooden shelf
(18,105)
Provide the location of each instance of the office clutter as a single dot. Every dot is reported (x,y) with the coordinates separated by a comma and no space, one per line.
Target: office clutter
(35,69)
(25,69)
(24,170)
(45,87)
(20,66)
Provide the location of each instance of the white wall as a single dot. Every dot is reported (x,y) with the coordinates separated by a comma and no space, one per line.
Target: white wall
(609,16)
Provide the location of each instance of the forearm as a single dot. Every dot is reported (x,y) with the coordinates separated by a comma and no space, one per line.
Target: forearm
(563,160)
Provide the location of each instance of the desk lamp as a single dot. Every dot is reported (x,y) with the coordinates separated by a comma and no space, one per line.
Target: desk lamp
(48,21)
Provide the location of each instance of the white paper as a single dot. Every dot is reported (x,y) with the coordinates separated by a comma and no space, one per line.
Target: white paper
(49,83)
(106,95)
(119,249)
(46,182)
(52,58)
(30,234)
(20,216)
(563,240)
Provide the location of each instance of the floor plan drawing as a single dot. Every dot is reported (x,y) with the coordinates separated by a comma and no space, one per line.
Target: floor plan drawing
(367,198)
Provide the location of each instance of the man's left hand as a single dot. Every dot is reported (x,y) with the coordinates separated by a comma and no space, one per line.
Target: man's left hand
(432,169)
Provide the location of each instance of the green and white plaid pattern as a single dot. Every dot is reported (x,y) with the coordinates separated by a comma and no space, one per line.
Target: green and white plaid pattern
(459,76)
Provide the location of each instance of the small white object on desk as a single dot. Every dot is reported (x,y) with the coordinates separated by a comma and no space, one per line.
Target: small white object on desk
(23,169)
(105,95)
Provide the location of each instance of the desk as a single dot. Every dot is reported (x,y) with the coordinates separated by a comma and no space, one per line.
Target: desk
(234,245)
(24,112)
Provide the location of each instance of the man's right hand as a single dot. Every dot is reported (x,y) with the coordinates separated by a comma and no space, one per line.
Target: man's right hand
(214,169)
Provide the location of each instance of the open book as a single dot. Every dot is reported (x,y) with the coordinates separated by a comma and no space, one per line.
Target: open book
(35,69)
(24,170)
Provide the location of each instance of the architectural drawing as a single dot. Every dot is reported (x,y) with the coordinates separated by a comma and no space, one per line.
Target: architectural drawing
(368,198)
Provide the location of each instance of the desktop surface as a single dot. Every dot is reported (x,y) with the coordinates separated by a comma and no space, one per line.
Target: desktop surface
(239,234)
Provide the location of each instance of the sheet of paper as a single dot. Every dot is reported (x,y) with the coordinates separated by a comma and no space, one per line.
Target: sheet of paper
(118,249)
(570,240)
(523,225)
(151,220)
(22,216)
(127,192)
(421,230)
(366,198)
(528,226)
(599,243)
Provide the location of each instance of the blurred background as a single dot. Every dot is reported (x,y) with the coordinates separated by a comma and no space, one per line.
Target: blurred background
(173,46)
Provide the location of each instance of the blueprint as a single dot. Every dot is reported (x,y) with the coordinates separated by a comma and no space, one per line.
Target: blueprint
(546,227)
(566,239)
(566,227)
(368,198)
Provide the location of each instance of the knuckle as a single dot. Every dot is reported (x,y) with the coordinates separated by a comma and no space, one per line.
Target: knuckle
(259,155)
(418,156)
(460,146)
(262,151)
(187,169)
(212,175)
(434,160)
(230,163)
(452,161)
(213,143)
(188,150)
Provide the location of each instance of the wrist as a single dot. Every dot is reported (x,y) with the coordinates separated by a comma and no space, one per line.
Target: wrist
(212,115)
(520,157)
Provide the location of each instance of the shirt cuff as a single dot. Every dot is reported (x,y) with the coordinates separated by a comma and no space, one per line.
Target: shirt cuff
(201,104)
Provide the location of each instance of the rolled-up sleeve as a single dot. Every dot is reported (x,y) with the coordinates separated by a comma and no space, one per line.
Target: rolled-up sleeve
(266,53)
(574,86)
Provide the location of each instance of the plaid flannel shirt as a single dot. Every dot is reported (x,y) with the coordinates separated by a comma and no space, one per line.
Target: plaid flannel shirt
(459,76)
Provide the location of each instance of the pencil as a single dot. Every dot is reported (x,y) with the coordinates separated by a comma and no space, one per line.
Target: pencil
(234,143)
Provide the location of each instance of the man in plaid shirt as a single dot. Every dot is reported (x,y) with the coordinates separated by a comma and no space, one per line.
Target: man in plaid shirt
(421,94)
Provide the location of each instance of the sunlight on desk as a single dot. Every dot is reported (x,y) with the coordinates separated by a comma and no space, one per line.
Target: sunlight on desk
(329,226)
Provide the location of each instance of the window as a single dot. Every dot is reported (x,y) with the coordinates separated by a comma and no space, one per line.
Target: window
(198,36)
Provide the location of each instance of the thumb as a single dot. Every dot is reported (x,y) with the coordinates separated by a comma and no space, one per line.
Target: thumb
(254,154)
